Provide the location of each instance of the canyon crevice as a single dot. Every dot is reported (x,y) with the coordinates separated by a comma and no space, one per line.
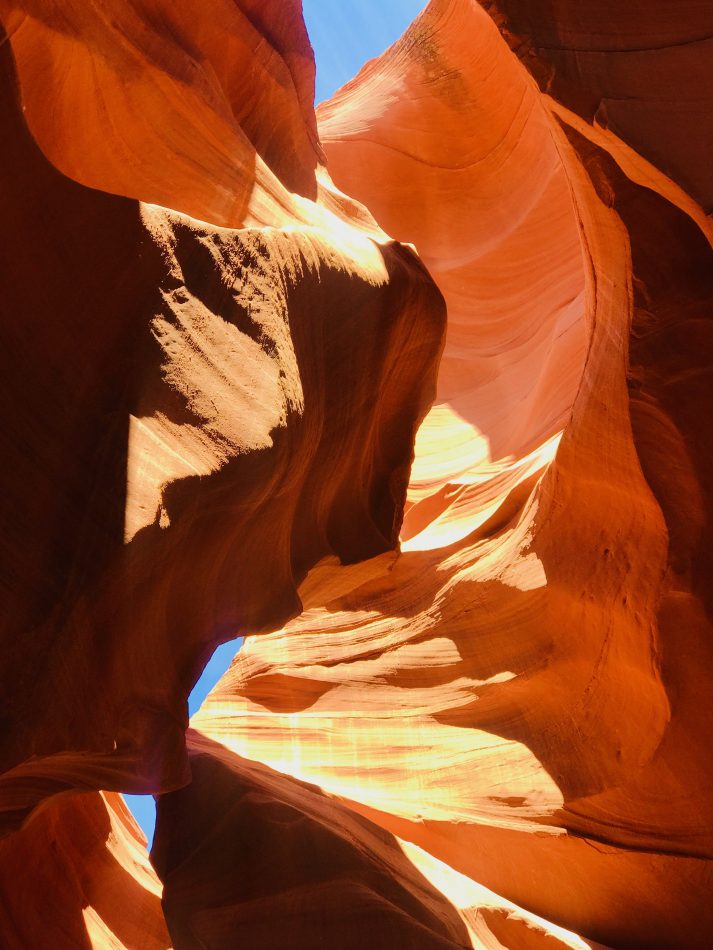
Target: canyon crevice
(410,391)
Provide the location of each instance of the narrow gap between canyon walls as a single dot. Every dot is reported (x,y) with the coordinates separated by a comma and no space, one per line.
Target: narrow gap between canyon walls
(343,39)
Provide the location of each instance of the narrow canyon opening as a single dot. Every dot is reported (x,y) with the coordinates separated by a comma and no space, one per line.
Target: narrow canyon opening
(357,494)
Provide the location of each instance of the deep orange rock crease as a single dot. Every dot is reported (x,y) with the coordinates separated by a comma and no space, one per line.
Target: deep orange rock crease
(411,392)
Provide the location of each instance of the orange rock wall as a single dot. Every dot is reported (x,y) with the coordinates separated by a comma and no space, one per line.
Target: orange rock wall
(195,415)
(526,644)
(219,365)
(78,877)
(639,70)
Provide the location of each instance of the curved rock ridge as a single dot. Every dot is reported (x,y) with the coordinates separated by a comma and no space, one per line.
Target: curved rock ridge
(641,72)
(78,877)
(112,91)
(513,692)
(463,163)
(224,318)
(116,93)
(299,869)
(189,410)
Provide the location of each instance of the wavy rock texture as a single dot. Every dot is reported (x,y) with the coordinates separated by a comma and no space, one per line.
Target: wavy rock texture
(111,91)
(78,877)
(195,415)
(516,678)
(497,736)
(642,72)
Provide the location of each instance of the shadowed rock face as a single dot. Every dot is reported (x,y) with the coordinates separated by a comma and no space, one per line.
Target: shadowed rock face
(228,394)
(77,876)
(169,424)
(253,857)
(642,71)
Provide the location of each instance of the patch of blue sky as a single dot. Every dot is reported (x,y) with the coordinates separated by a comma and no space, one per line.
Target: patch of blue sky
(345,34)
(143,807)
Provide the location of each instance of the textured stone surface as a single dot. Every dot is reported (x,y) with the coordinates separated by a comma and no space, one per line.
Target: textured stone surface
(190,410)
(216,360)
(528,643)
(252,857)
(640,70)
(78,877)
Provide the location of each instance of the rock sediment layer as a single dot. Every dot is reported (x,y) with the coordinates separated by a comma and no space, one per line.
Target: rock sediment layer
(495,736)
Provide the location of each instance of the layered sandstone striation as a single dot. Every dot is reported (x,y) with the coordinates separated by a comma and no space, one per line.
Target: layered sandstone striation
(230,390)
(250,856)
(170,421)
(77,877)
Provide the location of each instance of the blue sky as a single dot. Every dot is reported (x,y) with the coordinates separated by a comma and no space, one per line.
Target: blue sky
(344,34)
(143,807)
(347,33)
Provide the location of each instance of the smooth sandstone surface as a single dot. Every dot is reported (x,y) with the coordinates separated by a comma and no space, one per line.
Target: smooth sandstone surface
(78,877)
(230,390)
(170,421)
(252,857)
(517,681)
(640,70)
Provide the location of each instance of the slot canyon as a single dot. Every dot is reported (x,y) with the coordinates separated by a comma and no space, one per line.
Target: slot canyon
(410,392)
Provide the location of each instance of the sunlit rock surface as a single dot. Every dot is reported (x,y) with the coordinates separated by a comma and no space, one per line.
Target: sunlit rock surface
(191,410)
(78,876)
(252,857)
(217,361)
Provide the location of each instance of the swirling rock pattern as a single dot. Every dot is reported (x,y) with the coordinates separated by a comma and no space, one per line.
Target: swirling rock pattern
(496,734)
(224,374)
(78,876)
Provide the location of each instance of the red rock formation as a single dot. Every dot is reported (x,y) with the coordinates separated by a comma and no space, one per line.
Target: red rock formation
(113,91)
(193,416)
(78,876)
(528,645)
(252,857)
(505,725)
(483,193)
(640,70)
